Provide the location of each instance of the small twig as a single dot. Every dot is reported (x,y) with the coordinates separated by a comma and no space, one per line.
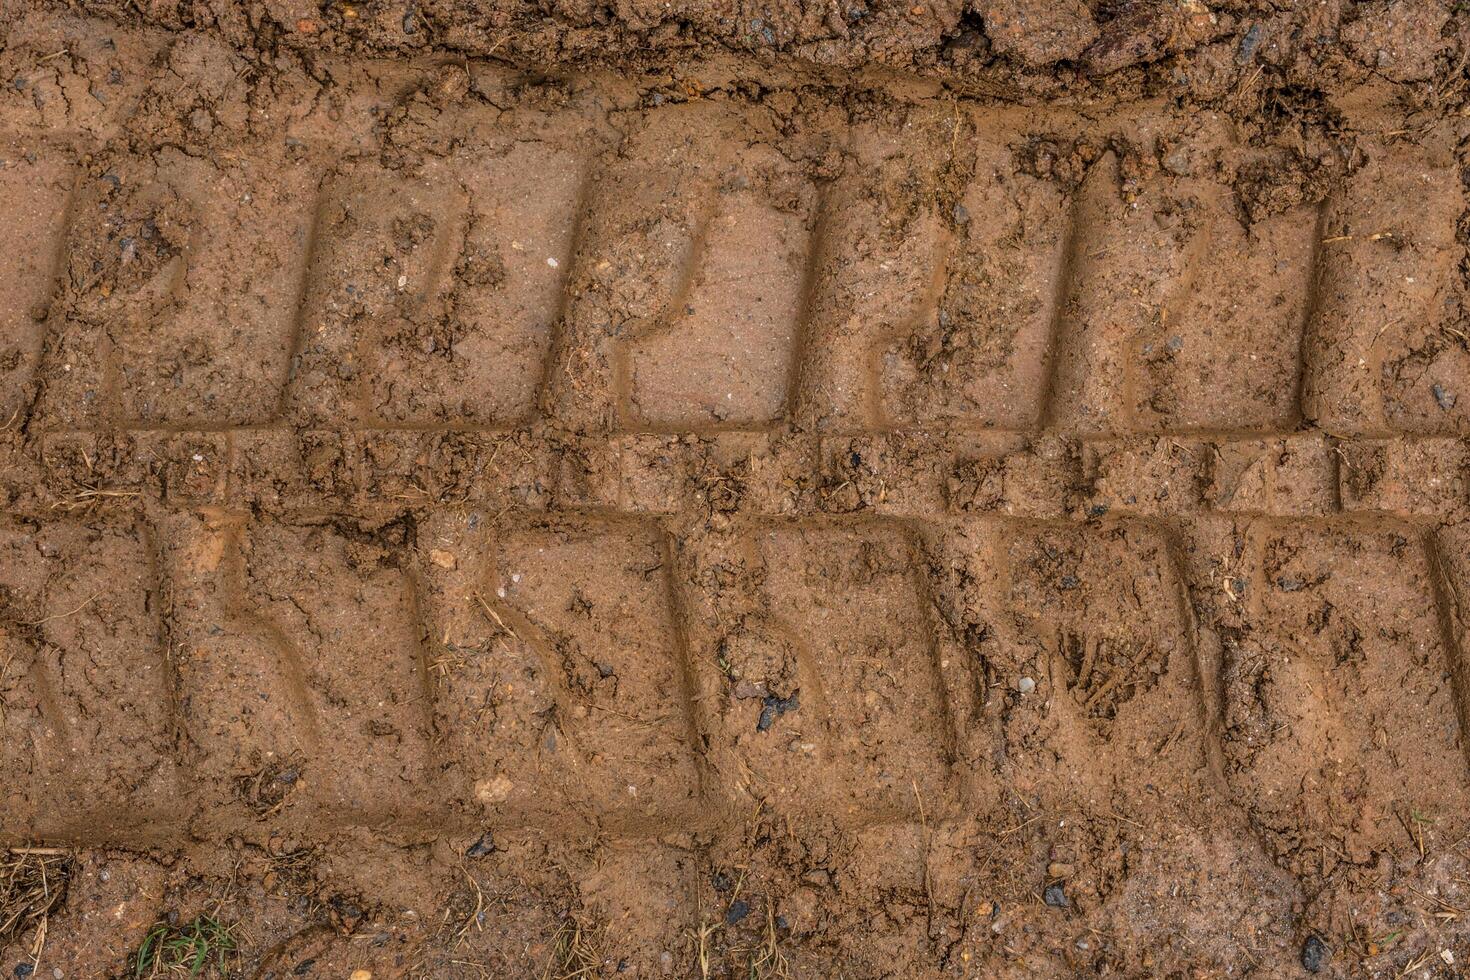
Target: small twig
(495,616)
(64,615)
(1375,237)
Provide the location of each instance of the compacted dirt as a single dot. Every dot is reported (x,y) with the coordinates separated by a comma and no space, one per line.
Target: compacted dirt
(545,489)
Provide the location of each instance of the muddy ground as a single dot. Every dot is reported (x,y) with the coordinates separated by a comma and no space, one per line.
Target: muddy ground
(510,489)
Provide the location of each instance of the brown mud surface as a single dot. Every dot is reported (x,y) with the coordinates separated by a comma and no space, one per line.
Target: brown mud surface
(853,489)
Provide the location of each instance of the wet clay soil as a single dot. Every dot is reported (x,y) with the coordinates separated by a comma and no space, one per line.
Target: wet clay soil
(510,489)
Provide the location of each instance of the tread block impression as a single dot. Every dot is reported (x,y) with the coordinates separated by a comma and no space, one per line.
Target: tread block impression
(976,349)
(1110,604)
(433,293)
(155,271)
(1291,475)
(86,698)
(562,691)
(269,620)
(34,190)
(1081,635)
(1170,296)
(1341,720)
(719,353)
(875,268)
(685,305)
(1383,354)
(934,287)
(1427,477)
(821,672)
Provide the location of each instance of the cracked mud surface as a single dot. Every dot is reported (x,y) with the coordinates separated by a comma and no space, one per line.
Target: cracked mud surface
(510,490)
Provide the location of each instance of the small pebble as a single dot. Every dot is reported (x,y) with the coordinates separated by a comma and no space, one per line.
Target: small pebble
(772,708)
(1249,44)
(1315,954)
(1055,896)
(1177,162)
(1443,397)
(739,909)
(1026,685)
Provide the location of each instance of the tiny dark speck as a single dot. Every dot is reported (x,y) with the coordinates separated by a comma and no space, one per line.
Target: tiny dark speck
(739,909)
